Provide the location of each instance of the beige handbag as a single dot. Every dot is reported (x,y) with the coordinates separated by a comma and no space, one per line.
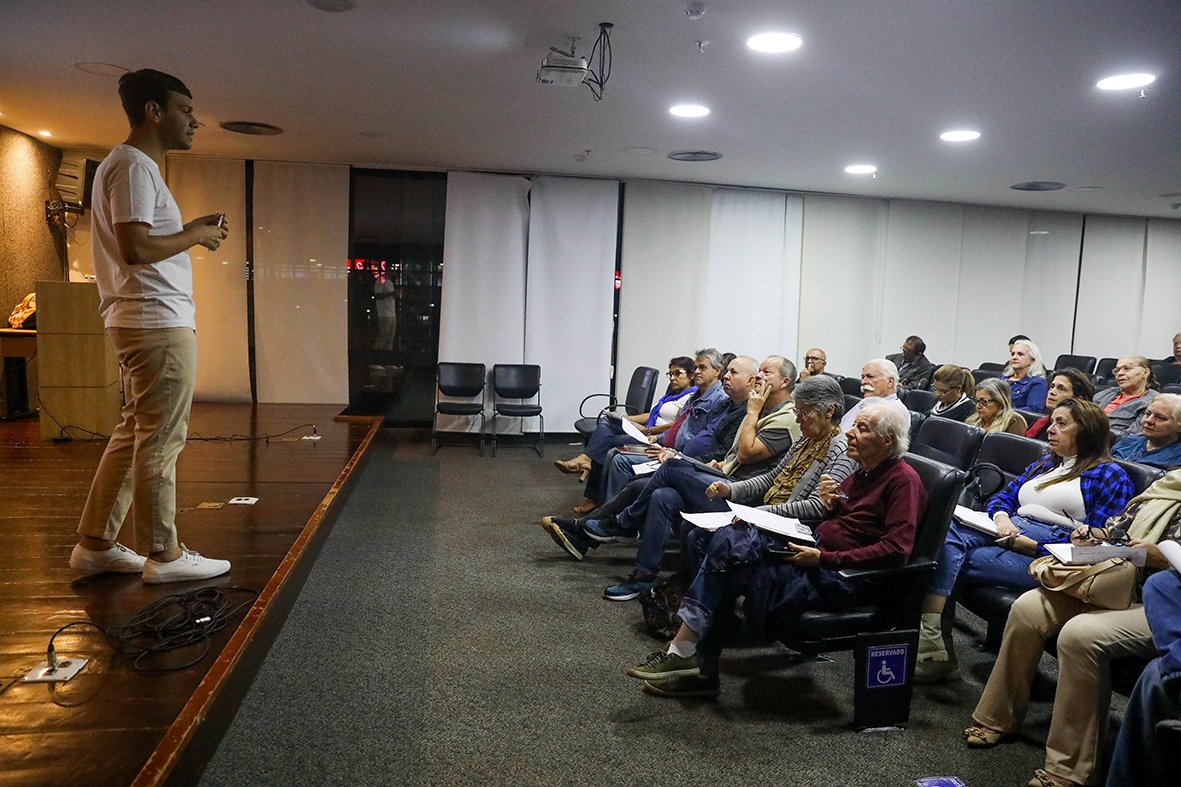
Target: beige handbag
(1108,584)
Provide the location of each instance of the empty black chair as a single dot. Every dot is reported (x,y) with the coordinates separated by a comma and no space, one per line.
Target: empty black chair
(851,386)
(919,401)
(951,442)
(1011,454)
(984,374)
(991,367)
(1030,416)
(1084,363)
(517,381)
(1104,369)
(1141,476)
(898,592)
(640,393)
(460,380)
(1167,373)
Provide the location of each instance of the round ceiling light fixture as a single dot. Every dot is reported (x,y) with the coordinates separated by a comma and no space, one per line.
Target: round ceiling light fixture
(775,43)
(251,127)
(960,135)
(1038,185)
(1125,81)
(689,110)
(694,155)
(861,169)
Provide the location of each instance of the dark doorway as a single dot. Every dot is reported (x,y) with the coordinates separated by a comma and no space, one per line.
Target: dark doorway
(395,278)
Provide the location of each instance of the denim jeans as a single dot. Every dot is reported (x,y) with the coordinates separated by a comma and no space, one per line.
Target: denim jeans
(970,557)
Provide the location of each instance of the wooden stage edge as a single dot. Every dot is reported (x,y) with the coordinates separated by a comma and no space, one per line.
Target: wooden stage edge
(190,741)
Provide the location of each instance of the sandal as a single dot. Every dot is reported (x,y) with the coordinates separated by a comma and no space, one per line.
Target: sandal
(980,737)
(1043,778)
(568,466)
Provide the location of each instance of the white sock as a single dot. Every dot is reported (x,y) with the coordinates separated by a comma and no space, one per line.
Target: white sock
(684,649)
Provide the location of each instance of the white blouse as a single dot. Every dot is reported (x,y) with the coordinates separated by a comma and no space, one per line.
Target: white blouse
(1055,502)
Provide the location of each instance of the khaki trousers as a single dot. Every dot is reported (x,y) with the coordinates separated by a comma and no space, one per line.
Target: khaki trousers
(138,468)
(1088,639)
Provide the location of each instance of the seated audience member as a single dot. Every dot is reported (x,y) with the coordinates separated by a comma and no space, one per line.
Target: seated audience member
(1027,376)
(1176,356)
(703,410)
(1158,443)
(1089,638)
(814,362)
(1126,404)
(1008,370)
(871,521)
(914,370)
(952,385)
(994,412)
(1077,482)
(1140,758)
(879,379)
(1067,384)
(764,434)
(608,433)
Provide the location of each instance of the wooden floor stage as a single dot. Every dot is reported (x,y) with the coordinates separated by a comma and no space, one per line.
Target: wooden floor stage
(112,725)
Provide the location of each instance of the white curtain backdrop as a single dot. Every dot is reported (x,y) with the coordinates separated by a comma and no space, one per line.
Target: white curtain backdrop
(1160,318)
(841,279)
(992,260)
(483,306)
(570,292)
(664,266)
(1111,282)
(202,186)
(301,244)
(1048,289)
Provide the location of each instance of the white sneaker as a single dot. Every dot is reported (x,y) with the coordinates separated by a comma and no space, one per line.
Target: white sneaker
(189,566)
(118,559)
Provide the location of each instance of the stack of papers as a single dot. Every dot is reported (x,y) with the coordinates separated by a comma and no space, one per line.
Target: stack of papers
(764,520)
(1075,555)
(975,519)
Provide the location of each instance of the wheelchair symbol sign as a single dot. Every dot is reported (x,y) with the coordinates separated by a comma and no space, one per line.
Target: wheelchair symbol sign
(885,666)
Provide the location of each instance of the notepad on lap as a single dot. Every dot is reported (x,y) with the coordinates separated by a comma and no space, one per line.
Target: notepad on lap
(975,519)
(773,523)
(1075,555)
(709,520)
(646,468)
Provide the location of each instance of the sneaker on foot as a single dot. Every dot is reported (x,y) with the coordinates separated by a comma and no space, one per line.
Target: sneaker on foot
(931,671)
(605,531)
(706,687)
(635,584)
(189,566)
(662,666)
(566,536)
(118,559)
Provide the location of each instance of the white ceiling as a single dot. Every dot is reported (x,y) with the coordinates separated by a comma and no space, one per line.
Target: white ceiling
(451,84)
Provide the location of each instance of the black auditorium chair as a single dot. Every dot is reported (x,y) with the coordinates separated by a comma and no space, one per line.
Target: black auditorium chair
(952,442)
(919,401)
(1167,373)
(1084,363)
(640,393)
(1030,416)
(1104,370)
(1171,389)
(459,380)
(851,386)
(984,374)
(898,592)
(991,367)
(520,381)
(851,401)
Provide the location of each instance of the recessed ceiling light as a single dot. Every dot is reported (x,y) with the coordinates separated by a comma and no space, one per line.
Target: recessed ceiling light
(45,133)
(694,155)
(251,127)
(332,6)
(1125,81)
(861,169)
(689,111)
(960,135)
(774,43)
(101,69)
(1038,185)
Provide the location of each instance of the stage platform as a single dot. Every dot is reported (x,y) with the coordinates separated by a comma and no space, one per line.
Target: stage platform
(113,725)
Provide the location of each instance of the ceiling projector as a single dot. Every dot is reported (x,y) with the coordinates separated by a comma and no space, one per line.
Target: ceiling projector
(561,69)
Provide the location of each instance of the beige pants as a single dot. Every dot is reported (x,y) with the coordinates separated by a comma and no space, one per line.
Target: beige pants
(1088,639)
(159,369)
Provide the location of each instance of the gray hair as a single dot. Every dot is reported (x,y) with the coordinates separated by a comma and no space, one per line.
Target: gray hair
(712,357)
(1173,401)
(891,424)
(887,368)
(786,370)
(1037,368)
(821,392)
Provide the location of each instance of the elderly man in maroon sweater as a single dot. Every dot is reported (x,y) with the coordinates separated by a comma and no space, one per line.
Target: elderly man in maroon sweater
(872,522)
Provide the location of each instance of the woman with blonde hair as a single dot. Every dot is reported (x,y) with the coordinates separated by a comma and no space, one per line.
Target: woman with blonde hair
(952,386)
(1027,376)
(994,409)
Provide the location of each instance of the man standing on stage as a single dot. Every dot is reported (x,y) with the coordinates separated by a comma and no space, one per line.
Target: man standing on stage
(145,285)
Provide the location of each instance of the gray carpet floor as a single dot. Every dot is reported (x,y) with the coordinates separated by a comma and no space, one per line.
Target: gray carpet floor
(442,638)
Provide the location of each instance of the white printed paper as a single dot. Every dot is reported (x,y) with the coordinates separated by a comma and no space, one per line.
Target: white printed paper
(765,520)
(1075,555)
(634,431)
(709,520)
(976,519)
(646,468)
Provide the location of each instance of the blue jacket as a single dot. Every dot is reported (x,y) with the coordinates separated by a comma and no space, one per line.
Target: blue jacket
(704,413)
(1134,448)
(1029,393)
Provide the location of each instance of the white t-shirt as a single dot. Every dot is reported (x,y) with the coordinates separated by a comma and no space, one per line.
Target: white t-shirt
(128,188)
(1050,504)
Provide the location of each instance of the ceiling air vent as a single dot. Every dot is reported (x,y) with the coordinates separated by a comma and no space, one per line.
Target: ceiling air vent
(694,155)
(1038,185)
(251,127)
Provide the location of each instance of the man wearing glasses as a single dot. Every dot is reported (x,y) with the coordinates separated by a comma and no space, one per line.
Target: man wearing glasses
(814,362)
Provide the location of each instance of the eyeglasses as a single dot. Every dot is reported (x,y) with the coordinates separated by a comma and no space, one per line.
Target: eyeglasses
(803,411)
(939,389)
(677,373)
(812,359)
(984,402)
(1115,536)
(1127,368)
